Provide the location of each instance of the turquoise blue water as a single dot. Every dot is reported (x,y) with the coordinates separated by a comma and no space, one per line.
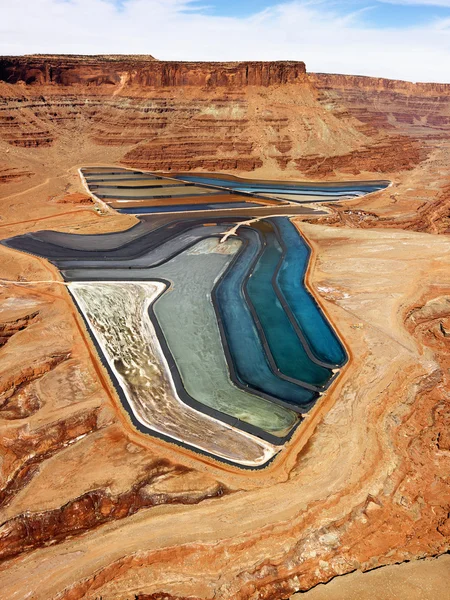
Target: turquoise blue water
(287,350)
(241,333)
(188,320)
(247,352)
(321,339)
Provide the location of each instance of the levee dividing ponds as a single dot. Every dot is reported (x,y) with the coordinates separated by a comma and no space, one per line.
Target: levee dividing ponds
(212,341)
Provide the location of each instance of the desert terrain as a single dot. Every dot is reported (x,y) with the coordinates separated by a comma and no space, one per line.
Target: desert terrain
(92,508)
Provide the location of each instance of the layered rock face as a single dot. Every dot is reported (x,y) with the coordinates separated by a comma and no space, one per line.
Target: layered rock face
(145,71)
(417,109)
(89,507)
(182,116)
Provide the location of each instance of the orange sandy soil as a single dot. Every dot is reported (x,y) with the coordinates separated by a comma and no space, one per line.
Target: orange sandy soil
(92,509)
(419,580)
(363,483)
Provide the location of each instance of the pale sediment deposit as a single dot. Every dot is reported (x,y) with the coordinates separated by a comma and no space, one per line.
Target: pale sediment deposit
(92,508)
(117,313)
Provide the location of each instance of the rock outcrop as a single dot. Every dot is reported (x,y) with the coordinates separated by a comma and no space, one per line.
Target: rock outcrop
(420,109)
(182,116)
(89,508)
(145,71)
(12,175)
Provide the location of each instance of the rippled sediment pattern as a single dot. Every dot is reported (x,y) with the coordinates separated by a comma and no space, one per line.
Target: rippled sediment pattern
(117,314)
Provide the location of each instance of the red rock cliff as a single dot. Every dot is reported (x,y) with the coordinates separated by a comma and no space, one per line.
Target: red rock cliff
(417,109)
(144,71)
(211,116)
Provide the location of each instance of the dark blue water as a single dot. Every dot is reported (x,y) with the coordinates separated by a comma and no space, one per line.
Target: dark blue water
(288,188)
(287,350)
(185,207)
(291,192)
(321,339)
(246,350)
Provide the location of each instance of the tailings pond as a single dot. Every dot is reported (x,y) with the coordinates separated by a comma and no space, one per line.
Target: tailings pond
(212,340)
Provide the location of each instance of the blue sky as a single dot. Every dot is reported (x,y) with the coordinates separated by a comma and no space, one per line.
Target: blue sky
(379,14)
(235,8)
(401,39)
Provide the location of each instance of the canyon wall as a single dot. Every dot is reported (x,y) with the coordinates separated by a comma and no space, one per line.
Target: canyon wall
(145,71)
(90,508)
(181,116)
(416,109)
(270,120)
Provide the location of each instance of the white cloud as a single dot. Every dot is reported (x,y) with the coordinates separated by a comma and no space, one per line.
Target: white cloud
(328,40)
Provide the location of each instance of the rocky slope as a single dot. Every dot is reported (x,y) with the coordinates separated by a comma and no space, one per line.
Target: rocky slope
(180,116)
(419,109)
(91,509)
